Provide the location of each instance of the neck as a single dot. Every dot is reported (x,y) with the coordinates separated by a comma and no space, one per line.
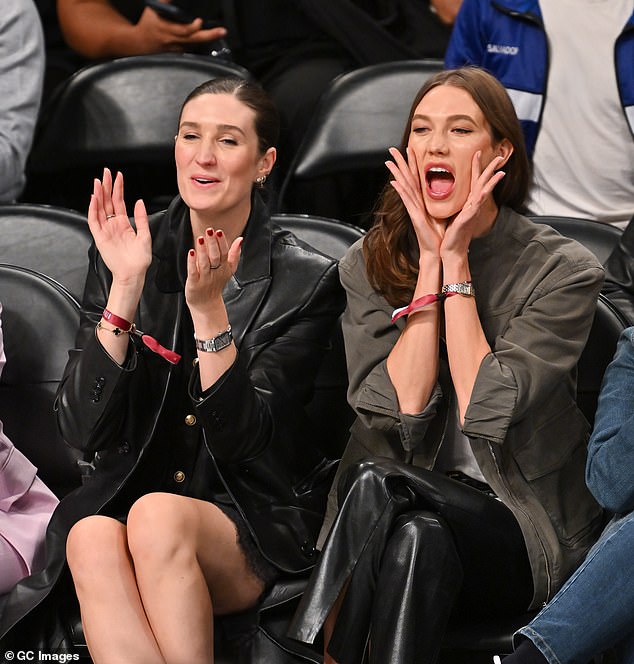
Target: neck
(486,218)
(232,222)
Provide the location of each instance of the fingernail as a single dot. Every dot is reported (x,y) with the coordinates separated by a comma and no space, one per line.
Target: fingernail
(201,240)
(192,253)
(219,233)
(210,232)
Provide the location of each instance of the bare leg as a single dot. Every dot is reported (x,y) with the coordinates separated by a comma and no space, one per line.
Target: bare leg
(189,566)
(330,622)
(115,624)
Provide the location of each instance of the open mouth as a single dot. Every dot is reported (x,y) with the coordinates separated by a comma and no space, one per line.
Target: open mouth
(439,181)
(206,180)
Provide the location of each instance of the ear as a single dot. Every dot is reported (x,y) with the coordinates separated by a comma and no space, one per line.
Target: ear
(267,161)
(504,149)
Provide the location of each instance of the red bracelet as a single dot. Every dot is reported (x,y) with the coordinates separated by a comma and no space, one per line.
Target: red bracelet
(122,326)
(419,303)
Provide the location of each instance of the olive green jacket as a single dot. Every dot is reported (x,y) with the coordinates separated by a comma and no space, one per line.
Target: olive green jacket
(536,295)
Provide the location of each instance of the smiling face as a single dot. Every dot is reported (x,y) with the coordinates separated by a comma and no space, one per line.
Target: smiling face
(218,159)
(447,129)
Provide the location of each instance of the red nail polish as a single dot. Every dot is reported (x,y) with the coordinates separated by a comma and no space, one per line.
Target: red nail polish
(210,232)
(201,240)
(219,233)
(192,253)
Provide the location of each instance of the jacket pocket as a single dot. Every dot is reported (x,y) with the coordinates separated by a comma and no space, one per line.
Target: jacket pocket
(553,465)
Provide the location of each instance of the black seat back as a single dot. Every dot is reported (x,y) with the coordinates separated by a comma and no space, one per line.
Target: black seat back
(39,321)
(599,237)
(329,409)
(360,115)
(47,239)
(122,113)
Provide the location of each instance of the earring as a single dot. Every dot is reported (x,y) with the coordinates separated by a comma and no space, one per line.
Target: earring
(259,182)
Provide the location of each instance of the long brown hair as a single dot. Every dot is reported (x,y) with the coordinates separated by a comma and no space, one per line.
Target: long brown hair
(390,247)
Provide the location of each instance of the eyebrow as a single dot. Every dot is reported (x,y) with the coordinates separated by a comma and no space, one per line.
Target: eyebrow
(451,118)
(221,127)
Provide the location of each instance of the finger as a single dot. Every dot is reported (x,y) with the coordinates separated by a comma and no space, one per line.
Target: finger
(94,223)
(192,266)
(405,169)
(106,182)
(206,35)
(410,202)
(141,221)
(213,250)
(223,245)
(202,257)
(117,195)
(490,185)
(475,170)
(414,168)
(400,176)
(233,257)
(97,201)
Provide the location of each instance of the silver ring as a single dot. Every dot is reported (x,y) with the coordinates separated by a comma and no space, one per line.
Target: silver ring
(109,216)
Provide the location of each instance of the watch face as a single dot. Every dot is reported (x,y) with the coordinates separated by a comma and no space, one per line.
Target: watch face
(219,342)
(222,340)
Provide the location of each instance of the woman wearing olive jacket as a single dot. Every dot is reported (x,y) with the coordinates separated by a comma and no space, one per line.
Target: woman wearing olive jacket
(239,449)
(461,491)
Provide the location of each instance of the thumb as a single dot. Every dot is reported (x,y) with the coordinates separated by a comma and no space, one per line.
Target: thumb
(233,257)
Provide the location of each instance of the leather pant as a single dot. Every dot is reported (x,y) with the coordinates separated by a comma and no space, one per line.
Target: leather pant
(418,548)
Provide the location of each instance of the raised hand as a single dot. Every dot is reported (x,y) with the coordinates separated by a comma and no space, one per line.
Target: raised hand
(126,252)
(156,34)
(407,184)
(479,203)
(209,266)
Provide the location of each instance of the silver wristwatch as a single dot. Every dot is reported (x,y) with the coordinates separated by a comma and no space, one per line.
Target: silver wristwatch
(215,344)
(462,288)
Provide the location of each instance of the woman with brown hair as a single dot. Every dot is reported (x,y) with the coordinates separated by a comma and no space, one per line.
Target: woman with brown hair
(462,487)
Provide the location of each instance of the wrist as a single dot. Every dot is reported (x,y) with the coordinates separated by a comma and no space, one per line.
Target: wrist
(210,324)
(455,269)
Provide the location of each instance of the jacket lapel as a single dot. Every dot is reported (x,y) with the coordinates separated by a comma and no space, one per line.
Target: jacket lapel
(246,291)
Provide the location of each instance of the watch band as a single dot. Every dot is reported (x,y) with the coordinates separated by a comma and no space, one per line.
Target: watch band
(462,288)
(216,343)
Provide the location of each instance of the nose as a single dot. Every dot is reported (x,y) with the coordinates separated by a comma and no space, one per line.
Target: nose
(206,153)
(437,142)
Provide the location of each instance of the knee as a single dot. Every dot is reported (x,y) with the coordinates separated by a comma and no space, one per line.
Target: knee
(376,479)
(423,536)
(93,546)
(160,527)
(364,473)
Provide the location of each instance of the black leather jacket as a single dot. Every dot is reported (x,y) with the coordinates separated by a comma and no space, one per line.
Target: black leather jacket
(282,305)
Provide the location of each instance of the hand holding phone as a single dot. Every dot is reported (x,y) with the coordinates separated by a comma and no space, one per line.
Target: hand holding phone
(176,14)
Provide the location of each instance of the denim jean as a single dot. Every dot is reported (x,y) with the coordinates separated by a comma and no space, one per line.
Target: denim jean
(594,609)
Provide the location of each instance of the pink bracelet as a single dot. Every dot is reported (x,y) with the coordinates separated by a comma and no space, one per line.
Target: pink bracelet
(123,326)
(418,304)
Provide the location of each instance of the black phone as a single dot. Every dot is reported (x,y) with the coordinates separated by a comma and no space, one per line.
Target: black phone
(171,12)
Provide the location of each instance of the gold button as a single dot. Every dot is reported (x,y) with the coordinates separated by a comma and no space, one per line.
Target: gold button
(179,476)
(194,362)
(190,420)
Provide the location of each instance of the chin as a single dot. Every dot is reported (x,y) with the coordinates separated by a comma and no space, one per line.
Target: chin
(442,210)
